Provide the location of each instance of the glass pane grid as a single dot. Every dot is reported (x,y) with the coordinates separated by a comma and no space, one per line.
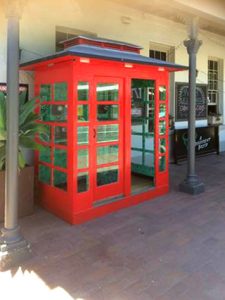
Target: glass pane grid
(60,180)
(60,91)
(60,158)
(83,158)
(83,91)
(107,91)
(83,182)
(107,175)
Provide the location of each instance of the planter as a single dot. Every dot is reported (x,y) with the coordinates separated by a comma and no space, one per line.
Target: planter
(26,192)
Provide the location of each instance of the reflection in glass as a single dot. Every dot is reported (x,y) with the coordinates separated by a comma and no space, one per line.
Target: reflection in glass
(83,158)
(82,135)
(108,133)
(162,110)
(83,91)
(107,91)
(107,112)
(82,113)
(57,113)
(45,154)
(46,136)
(44,174)
(107,175)
(60,135)
(162,127)
(162,92)
(107,154)
(60,180)
(60,158)
(162,163)
(162,145)
(60,91)
(45,92)
(82,182)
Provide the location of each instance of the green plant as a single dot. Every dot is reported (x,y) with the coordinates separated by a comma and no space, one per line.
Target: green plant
(28,128)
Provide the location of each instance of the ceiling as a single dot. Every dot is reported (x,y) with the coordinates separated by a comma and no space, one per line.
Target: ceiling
(211,13)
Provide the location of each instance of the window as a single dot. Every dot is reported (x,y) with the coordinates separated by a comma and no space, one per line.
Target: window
(158,54)
(166,53)
(65,33)
(215,85)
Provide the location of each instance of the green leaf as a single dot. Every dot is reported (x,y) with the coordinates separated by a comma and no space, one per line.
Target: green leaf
(26,110)
(21,160)
(2,111)
(22,97)
(2,157)
(29,143)
(2,134)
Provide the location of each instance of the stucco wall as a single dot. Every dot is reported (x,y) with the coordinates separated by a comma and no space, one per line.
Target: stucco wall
(106,19)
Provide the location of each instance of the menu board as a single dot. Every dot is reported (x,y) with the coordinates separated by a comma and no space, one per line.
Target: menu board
(206,141)
(182,99)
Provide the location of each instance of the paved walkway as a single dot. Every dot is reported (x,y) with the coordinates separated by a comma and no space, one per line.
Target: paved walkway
(172,248)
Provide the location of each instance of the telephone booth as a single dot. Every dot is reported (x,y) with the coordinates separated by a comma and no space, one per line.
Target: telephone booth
(105,108)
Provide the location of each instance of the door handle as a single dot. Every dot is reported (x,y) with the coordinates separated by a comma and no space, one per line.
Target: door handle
(94,133)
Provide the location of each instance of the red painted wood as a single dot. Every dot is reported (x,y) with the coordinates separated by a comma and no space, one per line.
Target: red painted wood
(77,207)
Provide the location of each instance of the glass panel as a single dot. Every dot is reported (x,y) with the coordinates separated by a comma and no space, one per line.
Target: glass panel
(162,110)
(56,113)
(83,158)
(60,158)
(162,127)
(82,113)
(82,135)
(162,163)
(46,137)
(107,154)
(60,91)
(83,91)
(107,112)
(45,154)
(107,91)
(60,135)
(108,133)
(82,182)
(162,93)
(107,175)
(60,180)
(45,92)
(44,174)
(162,145)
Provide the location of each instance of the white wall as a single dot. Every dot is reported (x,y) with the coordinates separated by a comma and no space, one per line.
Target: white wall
(105,19)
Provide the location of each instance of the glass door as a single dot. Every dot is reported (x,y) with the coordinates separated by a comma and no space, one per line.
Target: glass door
(142,134)
(108,138)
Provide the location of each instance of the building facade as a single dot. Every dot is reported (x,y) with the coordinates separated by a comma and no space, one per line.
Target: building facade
(159,27)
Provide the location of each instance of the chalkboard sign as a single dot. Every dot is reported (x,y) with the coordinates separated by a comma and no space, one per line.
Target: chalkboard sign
(182,99)
(206,141)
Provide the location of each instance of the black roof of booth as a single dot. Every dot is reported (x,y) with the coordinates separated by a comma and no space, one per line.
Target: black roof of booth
(107,54)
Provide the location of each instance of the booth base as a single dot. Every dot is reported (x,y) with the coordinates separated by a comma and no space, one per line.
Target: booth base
(98,211)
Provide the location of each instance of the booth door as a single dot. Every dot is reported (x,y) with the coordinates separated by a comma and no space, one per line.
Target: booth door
(108,138)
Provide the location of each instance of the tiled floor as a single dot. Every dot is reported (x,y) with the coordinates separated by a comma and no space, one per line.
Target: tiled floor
(172,248)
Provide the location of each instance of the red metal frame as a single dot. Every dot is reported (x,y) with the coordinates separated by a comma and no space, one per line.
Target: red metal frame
(79,207)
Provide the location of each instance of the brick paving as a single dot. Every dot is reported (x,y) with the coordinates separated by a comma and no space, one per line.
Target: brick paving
(171,248)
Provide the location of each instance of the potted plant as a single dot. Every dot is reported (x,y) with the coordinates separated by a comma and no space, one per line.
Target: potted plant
(28,128)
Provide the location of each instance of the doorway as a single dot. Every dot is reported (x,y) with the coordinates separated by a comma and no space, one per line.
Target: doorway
(142,135)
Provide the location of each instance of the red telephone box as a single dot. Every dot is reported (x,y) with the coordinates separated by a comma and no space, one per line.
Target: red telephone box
(106,111)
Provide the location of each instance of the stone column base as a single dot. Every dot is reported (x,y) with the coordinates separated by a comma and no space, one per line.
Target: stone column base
(193,187)
(11,255)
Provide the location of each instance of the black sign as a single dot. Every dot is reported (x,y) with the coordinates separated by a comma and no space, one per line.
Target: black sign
(23,88)
(182,99)
(207,141)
